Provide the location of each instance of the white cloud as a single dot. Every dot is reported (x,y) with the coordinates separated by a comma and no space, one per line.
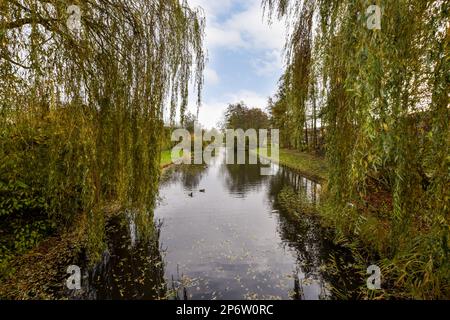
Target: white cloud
(252,99)
(211,113)
(237,25)
(270,63)
(211,77)
(244,29)
(212,7)
(254,31)
(220,37)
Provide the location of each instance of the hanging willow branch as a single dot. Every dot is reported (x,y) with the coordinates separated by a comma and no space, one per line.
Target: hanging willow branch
(386,116)
(82,110)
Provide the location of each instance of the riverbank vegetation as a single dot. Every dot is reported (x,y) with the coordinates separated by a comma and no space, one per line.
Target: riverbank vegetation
(308,164)
(378,100)
(85,89)
(81,110)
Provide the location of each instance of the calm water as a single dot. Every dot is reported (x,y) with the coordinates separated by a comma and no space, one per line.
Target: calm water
(232,241)
(222,235)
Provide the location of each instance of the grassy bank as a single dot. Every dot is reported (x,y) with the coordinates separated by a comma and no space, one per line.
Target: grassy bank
(414,263)
(310,166)
(166,159)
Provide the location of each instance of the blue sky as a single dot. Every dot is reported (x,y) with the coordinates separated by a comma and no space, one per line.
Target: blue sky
(245,56)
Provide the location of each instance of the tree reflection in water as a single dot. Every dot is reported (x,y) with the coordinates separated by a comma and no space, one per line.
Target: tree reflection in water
(234,241)
(131,268)
(189,175)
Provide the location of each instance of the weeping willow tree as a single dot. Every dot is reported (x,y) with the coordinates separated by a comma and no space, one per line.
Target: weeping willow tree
(293,94)
(83,90)
(386,116)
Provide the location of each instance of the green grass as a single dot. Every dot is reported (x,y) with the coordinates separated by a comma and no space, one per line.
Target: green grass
(309,165)
(166,158)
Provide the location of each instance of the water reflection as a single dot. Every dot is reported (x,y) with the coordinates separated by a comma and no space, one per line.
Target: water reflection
(234,241)
(189,176)
(287,177)
(239,182)
(131,268)
(225,236)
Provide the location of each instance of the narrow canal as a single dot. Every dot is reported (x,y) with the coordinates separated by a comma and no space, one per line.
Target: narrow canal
(222,234)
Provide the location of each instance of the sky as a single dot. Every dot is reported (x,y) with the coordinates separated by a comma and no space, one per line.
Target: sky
(245,57)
